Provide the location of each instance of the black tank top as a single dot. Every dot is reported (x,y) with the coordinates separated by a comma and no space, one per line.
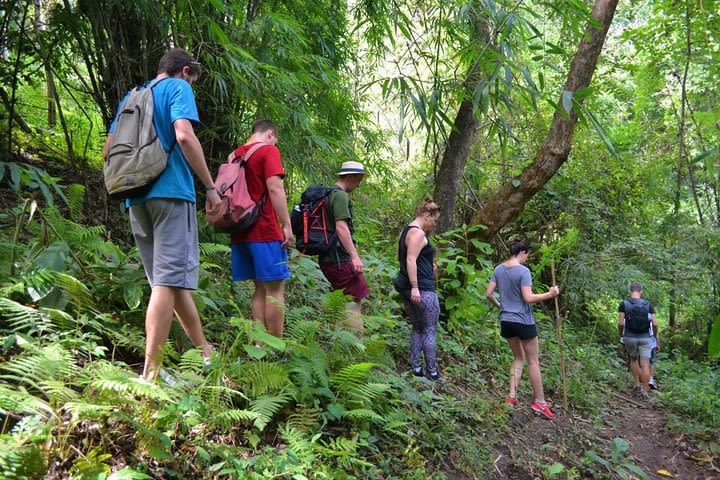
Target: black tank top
(425,274)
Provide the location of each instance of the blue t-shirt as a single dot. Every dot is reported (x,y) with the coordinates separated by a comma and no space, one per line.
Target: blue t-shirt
(173,100)
(513,308)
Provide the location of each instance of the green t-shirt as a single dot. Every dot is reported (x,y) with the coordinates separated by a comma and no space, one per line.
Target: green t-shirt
(338,208)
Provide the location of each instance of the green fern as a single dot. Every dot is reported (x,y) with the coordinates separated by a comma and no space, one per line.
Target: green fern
(20,401)
(308,366)
(39,365)
(21,462)
(112,380)
(267,406)
(91,465)
(304,418)
(21,318)
(334,307)
(210,249)
(298,444)
(351,384)
(229,417)
(261,377)
(75,194)
(364,414)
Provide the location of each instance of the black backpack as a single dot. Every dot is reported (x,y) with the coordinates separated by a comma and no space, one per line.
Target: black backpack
(637,313)
(310,219)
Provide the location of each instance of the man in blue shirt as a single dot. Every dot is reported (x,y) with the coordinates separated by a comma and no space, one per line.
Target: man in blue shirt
(164,220)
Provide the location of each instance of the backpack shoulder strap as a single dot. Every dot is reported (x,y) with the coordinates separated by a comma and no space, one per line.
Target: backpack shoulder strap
(244,158)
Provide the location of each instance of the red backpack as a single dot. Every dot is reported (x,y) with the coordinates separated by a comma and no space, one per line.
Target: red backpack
(237,212)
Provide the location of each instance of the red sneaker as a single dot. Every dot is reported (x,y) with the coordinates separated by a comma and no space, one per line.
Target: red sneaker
(543,410)
(512,401)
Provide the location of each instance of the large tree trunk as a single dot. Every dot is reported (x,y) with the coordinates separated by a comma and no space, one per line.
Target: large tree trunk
(462,137)
(457,149)
(513,196)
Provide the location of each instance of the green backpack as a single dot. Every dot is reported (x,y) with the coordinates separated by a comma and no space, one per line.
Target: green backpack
(136,157)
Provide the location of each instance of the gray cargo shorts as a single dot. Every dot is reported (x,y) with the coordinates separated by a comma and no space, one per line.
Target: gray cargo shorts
(166,235)
(637,347)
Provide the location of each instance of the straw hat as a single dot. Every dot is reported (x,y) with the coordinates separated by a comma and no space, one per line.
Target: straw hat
(352,168)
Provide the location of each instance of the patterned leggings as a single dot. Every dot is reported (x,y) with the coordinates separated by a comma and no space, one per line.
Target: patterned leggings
(424,318)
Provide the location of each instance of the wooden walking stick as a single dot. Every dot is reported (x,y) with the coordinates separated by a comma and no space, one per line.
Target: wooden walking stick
(561,343)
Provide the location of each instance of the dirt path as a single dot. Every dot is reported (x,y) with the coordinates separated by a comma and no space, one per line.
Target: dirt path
(536,444)
(653,446)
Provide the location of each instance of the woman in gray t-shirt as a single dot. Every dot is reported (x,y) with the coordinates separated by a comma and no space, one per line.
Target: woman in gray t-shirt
(517,323)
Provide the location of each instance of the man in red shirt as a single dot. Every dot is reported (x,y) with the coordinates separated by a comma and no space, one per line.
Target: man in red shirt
(261,254)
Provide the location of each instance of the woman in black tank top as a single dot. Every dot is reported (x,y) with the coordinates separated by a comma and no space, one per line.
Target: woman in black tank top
(416,284)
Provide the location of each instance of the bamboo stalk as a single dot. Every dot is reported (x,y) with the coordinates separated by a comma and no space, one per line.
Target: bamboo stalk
(561,343)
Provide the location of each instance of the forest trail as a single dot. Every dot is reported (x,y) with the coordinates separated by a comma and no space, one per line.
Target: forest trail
(537,443)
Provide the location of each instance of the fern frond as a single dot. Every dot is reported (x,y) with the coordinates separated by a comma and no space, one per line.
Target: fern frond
(298,444)
(309,365)
(21,318)
(59,392)
(75,194)
(348,338)
(303,331)
(209,249)
(364,414)
(268,406)
(88,410)
(261,377)
(334,307)
(351,376)
(304,418)
(40,365)
(228,417)
(20,401)
(111,379)
(80,295)
(192,360)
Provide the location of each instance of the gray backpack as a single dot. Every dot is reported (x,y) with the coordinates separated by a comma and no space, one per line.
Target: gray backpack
(136,157)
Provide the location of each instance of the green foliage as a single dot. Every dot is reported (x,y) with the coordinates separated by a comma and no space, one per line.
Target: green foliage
(617,464)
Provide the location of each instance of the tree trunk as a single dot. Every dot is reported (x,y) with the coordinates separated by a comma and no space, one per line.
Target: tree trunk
(513,196)
(449,174)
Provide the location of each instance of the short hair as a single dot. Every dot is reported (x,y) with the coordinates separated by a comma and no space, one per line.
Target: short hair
(175,60)
(428,205)
(519,245)
(636,287)
(262,126)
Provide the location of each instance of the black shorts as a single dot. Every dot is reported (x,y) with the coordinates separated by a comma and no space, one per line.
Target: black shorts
(514,329)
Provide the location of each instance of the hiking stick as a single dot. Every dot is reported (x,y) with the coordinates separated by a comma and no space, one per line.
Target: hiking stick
(561,343)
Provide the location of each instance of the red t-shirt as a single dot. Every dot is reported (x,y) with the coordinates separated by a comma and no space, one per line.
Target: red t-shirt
(263,164)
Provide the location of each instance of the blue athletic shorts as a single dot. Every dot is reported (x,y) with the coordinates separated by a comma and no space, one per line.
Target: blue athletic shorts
(262,261)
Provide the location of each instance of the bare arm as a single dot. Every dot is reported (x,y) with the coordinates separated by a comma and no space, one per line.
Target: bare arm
(106,147)
(655,331)
(414,241)
(489,293)
(192,150)
(343,233)
(531,297)
(621,323)
(276,190)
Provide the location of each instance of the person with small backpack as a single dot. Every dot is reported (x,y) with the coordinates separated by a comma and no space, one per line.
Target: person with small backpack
(341,264)
(637,326)
(156,179)
(416,284)
(260,253)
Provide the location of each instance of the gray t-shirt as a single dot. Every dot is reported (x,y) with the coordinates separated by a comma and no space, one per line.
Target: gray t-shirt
(513,308)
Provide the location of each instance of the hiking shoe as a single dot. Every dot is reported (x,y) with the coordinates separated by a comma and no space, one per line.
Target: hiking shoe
(418,372)
(543,409)
(435,377)
(637,390)
(646,398)
(512,401)
(653,383)
(167,377)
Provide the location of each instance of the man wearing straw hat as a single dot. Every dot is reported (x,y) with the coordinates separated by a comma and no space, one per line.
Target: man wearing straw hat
(342,266)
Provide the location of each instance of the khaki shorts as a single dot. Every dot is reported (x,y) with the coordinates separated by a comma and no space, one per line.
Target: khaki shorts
(637,347)
(166,235)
